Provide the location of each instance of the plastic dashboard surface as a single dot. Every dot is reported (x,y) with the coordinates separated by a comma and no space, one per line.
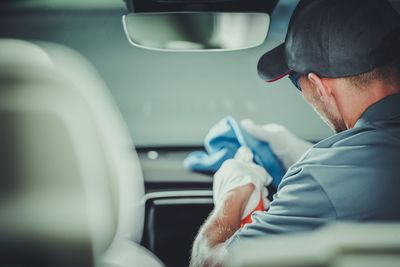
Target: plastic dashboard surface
(162,170)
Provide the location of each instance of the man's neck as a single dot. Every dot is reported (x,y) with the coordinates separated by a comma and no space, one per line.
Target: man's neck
(357,101)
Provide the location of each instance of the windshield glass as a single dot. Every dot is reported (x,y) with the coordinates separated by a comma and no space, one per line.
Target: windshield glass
(167,98)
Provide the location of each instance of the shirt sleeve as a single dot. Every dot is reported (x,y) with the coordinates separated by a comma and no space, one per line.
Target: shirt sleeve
(300,204)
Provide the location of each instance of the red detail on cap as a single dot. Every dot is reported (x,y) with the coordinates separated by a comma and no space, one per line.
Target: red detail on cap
(280,77)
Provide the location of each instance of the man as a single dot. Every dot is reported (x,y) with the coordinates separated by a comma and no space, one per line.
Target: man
(343,55)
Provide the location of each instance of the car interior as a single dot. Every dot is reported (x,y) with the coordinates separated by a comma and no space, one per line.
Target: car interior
(95,128)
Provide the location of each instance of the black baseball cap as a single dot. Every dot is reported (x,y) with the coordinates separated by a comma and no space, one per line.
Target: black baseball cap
(335,38)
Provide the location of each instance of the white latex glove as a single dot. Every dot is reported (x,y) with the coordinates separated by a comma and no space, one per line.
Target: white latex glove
(240,171)
(285,145)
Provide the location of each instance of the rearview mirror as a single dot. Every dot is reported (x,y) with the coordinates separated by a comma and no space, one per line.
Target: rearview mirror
(196,31)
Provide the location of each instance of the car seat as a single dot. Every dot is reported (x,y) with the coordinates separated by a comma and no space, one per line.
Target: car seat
(71,187)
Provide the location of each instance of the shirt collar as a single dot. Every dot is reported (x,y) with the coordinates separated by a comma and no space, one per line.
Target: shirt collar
(385,109)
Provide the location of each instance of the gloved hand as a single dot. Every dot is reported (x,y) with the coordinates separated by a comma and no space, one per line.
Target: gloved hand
(240,171)
(285,145)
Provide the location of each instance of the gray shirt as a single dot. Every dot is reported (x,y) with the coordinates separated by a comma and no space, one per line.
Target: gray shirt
(351,176)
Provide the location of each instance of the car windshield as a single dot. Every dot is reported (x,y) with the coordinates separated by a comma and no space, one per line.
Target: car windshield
(167,98)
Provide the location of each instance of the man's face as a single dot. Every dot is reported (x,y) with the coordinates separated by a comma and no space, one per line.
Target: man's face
(325,109)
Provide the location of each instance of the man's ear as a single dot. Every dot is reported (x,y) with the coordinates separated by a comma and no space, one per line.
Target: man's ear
(322,87)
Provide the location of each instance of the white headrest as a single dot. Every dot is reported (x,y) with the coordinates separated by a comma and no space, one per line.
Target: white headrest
(18,52)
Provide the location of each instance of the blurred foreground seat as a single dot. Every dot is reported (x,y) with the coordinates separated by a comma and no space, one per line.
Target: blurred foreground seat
(70,181)
(340,245)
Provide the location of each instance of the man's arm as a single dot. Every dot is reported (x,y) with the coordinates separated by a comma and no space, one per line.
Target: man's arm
(224,221)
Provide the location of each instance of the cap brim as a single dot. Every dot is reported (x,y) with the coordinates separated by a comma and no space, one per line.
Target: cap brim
(272,65)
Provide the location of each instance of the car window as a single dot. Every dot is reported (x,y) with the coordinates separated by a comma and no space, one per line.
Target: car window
(167,98)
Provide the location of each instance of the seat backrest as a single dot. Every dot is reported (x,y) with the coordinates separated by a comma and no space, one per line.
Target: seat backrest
(123,165)
(70,174)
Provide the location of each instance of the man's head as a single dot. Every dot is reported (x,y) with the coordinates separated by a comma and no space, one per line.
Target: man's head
(343,51)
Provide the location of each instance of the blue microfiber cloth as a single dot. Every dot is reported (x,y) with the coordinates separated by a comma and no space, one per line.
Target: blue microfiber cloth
(222,142)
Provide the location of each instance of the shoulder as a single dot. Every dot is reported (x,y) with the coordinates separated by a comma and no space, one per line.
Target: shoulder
(367,134)
(380,142)
(354,167)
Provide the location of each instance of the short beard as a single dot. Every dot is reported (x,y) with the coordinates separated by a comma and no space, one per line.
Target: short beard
(334,121)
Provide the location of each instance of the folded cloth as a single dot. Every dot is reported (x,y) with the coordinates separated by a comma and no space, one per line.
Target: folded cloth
(240,171)
(222,142)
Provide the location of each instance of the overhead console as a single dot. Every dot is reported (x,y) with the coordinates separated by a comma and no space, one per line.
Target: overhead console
(262,6)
